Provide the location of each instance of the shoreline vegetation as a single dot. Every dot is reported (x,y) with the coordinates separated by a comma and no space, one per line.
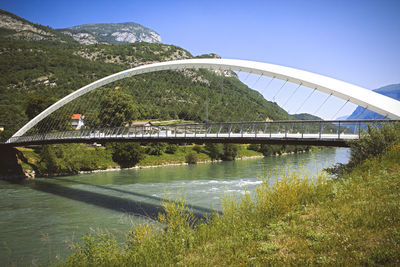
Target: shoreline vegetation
(296,220)
(70,159)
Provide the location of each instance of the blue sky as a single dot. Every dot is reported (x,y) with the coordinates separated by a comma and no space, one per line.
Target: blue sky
(353,41)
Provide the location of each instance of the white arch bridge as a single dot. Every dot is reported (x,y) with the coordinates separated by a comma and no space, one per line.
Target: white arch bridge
(289,132)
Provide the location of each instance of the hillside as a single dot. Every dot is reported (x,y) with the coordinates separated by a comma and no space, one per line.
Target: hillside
(13,27)
(392,91)
(111,33)
(45,70)
(306,117)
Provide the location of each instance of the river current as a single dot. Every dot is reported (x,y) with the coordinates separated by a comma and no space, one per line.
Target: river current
(41,218)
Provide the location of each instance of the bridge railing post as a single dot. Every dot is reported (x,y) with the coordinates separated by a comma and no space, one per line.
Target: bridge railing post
(320,129)
(285,130)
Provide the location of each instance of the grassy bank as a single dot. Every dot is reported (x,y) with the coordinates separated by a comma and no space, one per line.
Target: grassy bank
(299,220)
(70,159)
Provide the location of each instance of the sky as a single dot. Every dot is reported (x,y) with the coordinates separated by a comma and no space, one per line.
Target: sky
(350,40)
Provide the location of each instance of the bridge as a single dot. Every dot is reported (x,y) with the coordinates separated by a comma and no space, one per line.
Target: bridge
(320,133)
(329,133)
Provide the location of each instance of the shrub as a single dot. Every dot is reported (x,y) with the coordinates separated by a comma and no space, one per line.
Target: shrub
(215,151)
(377,140)
(127,154)
(171,148)
(191,158)
(156,149)
(198,148)
(254,147)
(230,151)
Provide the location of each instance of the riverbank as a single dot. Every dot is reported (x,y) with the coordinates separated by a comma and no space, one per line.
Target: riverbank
(139,166)
(99,159)
(299,220)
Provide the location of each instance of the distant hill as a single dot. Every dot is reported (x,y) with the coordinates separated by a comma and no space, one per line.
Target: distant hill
(112,33)
(306,117)
(392,91)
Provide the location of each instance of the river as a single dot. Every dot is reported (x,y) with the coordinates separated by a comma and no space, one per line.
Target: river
(41,218)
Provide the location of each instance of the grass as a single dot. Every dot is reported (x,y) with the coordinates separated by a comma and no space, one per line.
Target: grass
(298,220)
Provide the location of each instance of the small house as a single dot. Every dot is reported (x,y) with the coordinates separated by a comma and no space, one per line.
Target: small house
(140,127)
(77,121)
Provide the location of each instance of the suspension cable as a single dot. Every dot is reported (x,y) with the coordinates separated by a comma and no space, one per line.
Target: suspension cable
(280,89)
(248,74)
(305,100)
(257,80)
(269,83)
(292,94)
(334,116)
(362,112)
(326,99)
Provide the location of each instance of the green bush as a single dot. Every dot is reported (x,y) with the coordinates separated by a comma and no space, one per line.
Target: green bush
(171,148)
(191,158)
(230,152)
(377,141)
(156,148)
(71,158)
(214,151)
(197,148)
(127,154)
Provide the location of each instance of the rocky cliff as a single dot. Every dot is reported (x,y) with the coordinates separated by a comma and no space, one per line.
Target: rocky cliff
(111,33)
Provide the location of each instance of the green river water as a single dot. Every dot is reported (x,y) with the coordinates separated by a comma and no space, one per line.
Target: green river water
(40,219)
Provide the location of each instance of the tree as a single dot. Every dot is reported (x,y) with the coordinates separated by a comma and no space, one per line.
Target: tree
(127,154)
(215,151)
(36,104)
(191,158)
(116,109)
(171,148)
(156,148)
(230,151)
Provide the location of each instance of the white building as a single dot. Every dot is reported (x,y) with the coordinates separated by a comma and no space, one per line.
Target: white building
(77,121)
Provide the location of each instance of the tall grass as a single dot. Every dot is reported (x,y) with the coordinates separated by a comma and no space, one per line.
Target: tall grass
(297,220)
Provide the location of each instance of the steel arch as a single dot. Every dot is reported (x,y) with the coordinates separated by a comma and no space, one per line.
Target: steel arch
(378,103)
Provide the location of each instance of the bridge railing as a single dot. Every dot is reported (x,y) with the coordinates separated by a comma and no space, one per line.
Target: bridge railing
(333,130)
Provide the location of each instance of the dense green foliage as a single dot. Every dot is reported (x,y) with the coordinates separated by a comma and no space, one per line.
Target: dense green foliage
(126,154)
(71,158)
(298,220)
(191,157)
(156,148)
(376,142)
(268,150)
(116,109)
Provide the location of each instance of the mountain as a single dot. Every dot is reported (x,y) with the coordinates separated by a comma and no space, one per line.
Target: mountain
(360,113)
(43,70)
(13,27)
(111,33)
(306,117)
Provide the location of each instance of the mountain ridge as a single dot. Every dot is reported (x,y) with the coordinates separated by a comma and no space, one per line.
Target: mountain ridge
(111,33)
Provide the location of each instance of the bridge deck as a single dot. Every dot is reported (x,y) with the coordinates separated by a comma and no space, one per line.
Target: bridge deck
(324,133)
